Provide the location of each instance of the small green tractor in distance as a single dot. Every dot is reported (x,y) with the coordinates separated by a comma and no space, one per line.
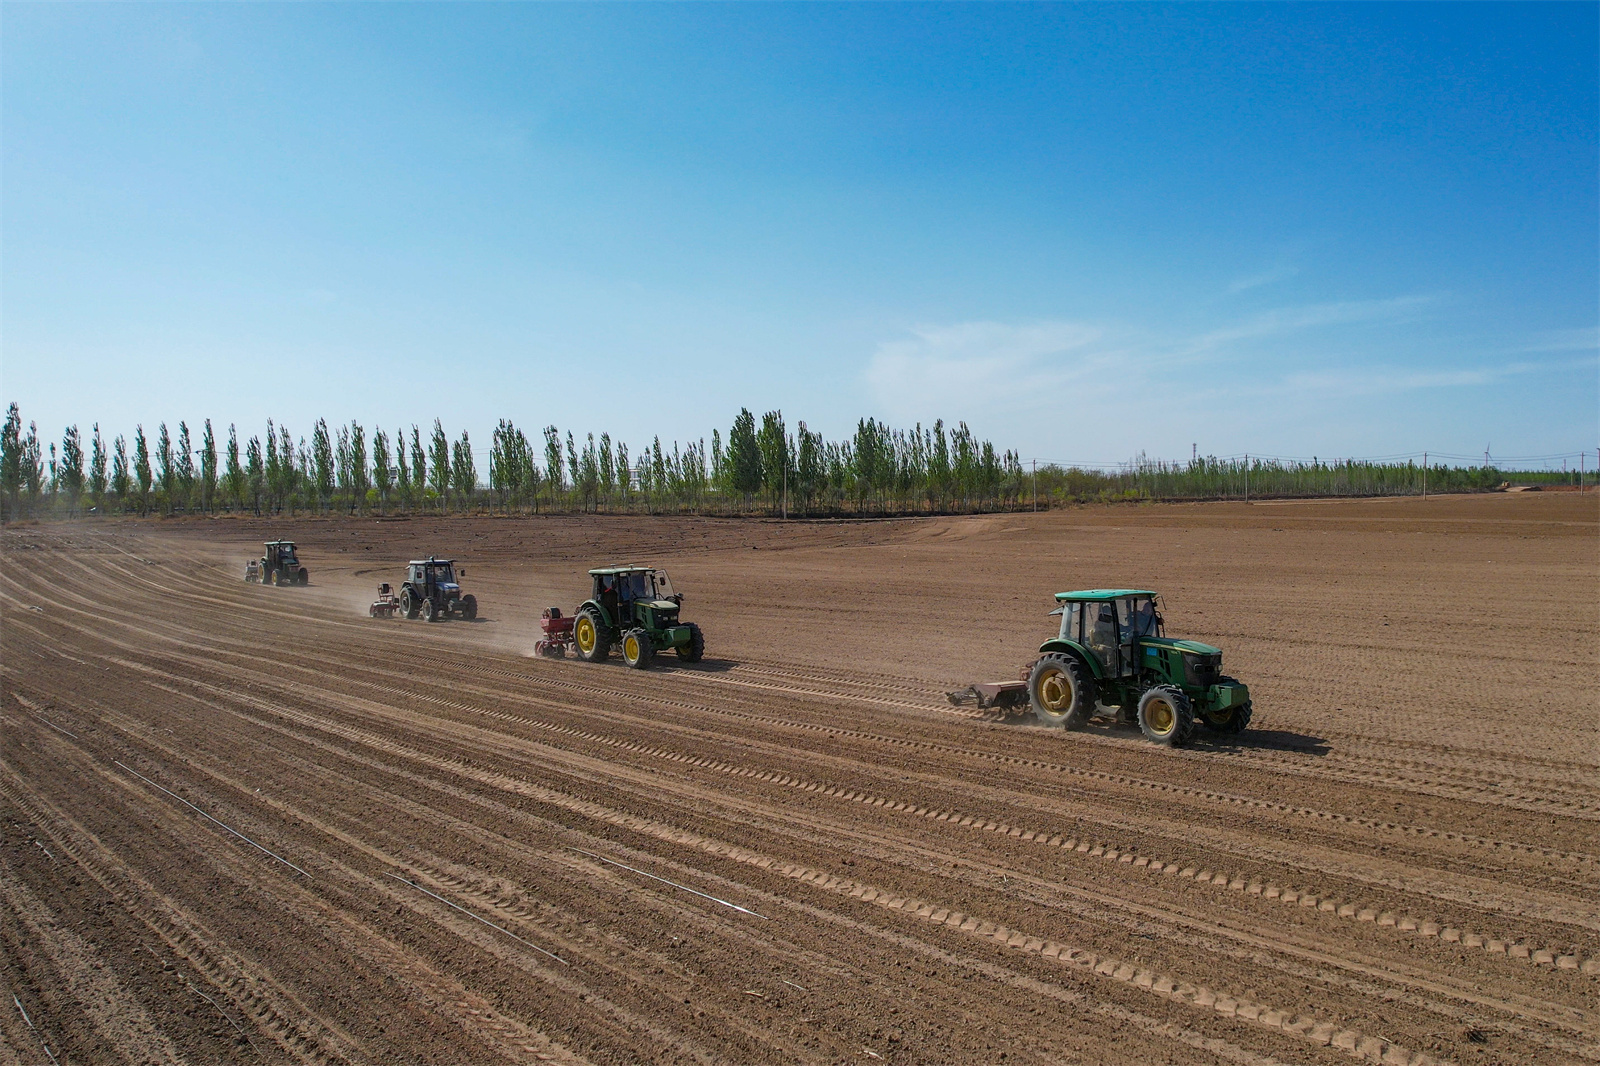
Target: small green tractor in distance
(634,608)
(1112,653)
(278,565)
(432,593)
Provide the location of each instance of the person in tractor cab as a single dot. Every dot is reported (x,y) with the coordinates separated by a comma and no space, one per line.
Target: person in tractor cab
(635,586)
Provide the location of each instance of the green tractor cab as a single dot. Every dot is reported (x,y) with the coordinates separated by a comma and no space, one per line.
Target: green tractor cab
(635,608)
(1112,652)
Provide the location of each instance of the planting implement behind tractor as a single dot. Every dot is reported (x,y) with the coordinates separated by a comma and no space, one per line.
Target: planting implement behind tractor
(431,591)
(278,565)
(1112,651)
(637,608)
(386,604)
(557,630)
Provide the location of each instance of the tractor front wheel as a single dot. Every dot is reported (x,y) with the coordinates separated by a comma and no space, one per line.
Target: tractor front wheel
(302,578)
(1061,692)
(1232,720)
(428,611)
(469,607)
(1166,716)
(636,649)
(594,644)
(408,604)
(695,650)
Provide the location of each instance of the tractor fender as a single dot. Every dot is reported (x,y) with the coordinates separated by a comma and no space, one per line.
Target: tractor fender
(1077,651)
(598,608)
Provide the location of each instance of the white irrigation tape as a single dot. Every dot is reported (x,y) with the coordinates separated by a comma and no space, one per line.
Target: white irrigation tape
(236,1026)
(52,725)
(203,814)
(474,917)
(23,1009)
(674,884)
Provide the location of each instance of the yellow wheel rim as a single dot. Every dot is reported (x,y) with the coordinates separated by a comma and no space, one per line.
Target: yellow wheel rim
(630,649)
(585,635)
(1055,692)
(1160,717)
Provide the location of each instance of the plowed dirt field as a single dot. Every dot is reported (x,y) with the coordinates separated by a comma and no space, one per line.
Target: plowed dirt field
(250,824)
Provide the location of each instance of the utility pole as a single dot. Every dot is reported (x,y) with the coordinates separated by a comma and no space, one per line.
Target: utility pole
(1194,453)
(786,485)
(1036,484)
(1246,477)
(1424,475)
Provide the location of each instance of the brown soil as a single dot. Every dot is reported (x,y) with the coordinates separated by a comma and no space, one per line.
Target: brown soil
(248,824)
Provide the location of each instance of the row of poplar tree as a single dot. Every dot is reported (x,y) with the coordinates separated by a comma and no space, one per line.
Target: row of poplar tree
(763,467)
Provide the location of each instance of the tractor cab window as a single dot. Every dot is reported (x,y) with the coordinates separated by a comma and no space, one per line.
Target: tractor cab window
(663,585)
(635,586)
(1137,616)
(443,574)
(1072,621)
(1100,632)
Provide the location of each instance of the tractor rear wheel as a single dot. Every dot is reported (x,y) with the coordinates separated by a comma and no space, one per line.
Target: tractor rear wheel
(469,607)
(1232,720)
(636,649)
(594,643)
(408,604)
(695,650)
(1061,692)
(428,611)
(1166,716)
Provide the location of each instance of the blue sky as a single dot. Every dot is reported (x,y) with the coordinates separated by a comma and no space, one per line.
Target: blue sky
(1089,231)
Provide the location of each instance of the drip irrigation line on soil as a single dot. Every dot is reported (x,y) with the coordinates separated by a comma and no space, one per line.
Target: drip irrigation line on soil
(476,918)
(674,884)
(236,1026)
(23,1009)
(52,725)
(203,814)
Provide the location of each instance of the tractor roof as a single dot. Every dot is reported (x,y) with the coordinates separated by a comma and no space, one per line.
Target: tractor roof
(1101,595)
(276,543)
(604,570)
(429,560)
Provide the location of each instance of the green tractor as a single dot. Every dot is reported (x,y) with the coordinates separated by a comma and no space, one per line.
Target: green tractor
(1112,651)
(278,565)
(635,607)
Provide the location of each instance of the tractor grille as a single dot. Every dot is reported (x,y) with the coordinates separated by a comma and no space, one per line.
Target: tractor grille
(1202,671)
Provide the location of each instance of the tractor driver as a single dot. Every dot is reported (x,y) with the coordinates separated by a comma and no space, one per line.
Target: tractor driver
(635,586)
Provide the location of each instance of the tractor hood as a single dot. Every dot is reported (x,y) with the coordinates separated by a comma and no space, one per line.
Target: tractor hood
(660,605)
(1193,647)
(448,586)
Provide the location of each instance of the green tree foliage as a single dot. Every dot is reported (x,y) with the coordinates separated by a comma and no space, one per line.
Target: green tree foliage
(11,460)
(235,482)
(208,468)
(322,463)
(255,472)
(744,456)
(382,469)
(141,468)
(552,462)
(69,474)
(773,441)
(439,459)
(97,467)
(419,463)
(121,472)
(184,467)
(463,473)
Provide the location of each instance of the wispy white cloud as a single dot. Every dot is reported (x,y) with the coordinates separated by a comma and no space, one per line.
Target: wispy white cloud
(978,366)
(1309,316)
(1255,281)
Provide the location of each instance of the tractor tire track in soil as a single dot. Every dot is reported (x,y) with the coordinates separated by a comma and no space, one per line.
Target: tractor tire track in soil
(250,824)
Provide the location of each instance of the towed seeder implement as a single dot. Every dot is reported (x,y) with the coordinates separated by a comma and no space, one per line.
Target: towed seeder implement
(557,630)
(386,604)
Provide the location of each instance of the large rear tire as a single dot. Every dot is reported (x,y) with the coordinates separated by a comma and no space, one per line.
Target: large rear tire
(1061,692)
(591,638)
(636,649)
(1166,716)
(302,578)
(695,650)
(469,607)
